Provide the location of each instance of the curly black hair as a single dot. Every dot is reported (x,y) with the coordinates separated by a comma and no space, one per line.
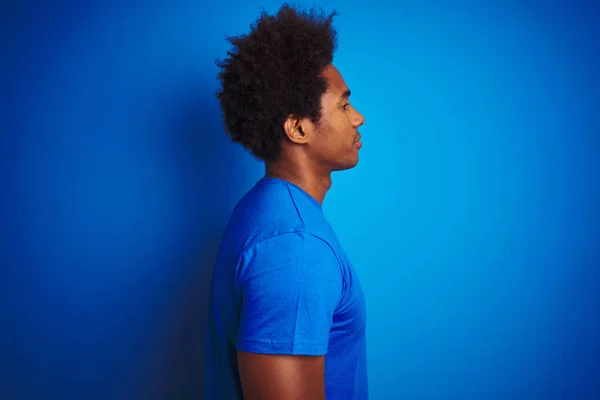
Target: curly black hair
(273,72)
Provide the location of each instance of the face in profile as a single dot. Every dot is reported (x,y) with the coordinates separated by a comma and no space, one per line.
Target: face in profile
(336,141)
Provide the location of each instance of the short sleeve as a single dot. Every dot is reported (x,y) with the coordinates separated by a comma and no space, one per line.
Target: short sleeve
(289,287)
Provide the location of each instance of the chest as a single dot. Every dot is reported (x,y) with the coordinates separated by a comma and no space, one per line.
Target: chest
(351,313)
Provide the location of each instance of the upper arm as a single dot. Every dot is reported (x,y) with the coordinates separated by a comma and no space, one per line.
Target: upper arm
(289,288)
(281,377)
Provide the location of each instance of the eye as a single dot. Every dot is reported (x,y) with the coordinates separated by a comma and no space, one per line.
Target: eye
(345,106)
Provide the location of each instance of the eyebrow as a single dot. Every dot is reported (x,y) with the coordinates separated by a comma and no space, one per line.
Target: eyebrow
(345,95)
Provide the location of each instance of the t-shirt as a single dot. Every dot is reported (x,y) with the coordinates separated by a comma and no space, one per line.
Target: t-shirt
(282,284)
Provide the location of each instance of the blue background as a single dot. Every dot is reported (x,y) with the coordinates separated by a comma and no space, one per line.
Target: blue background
(472,217)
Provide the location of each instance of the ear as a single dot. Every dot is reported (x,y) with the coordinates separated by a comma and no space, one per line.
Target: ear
(293,128)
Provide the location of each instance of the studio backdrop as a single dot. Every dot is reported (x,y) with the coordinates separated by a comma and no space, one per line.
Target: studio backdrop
(472,217)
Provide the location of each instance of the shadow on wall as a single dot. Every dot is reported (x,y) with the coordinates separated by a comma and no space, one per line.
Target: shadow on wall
(124,183)
(206,158)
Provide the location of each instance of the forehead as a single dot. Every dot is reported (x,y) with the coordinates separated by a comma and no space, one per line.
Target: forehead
(335,83)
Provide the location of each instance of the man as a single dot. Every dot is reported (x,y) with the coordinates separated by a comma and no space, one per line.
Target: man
(288,316)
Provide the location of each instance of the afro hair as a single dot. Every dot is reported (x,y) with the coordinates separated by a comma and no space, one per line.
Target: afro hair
(272,72)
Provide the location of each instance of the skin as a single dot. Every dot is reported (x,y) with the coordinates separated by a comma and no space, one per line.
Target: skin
(310,152)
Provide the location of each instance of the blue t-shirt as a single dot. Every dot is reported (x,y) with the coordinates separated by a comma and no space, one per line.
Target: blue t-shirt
(283,285)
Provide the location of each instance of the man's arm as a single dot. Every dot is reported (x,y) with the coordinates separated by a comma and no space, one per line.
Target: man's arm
(281,377)
(289,287)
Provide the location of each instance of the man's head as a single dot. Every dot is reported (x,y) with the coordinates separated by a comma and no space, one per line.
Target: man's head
(281,96)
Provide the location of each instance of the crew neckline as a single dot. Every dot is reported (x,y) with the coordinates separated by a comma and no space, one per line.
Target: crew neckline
(288,183)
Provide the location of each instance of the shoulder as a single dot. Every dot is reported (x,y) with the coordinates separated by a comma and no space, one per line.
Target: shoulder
(265,211)
(271,209)
(298,245)
(289,250)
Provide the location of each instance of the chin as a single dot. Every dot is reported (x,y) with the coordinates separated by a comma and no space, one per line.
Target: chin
(347,164)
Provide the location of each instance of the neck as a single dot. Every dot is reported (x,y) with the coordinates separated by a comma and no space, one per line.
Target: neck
(314,182)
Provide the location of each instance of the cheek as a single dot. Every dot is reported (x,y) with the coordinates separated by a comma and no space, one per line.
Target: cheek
(335,134)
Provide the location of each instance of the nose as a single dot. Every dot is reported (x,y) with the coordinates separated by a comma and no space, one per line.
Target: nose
(358,119)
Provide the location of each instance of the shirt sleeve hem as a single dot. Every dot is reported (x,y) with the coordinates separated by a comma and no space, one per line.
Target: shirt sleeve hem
(283,347)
